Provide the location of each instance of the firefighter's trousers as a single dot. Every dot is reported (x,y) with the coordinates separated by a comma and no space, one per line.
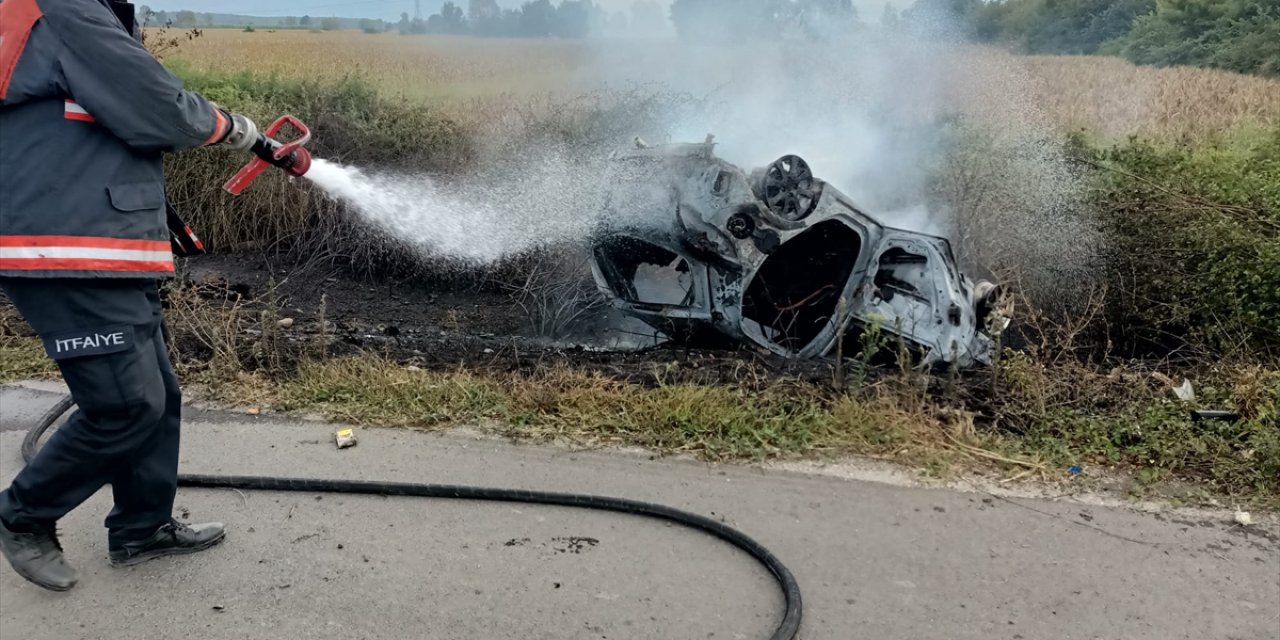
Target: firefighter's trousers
(106,338)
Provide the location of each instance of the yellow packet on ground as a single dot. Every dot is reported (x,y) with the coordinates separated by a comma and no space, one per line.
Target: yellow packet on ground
(346,438)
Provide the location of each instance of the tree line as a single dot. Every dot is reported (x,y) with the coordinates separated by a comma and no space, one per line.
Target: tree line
(538,19)
(715,20)
(187,19)
(1238,35)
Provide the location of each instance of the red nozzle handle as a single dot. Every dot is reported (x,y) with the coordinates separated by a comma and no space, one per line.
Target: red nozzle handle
(270,151)
(304,135)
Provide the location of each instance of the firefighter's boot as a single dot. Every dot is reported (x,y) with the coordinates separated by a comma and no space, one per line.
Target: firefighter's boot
(171,539)
(35,553)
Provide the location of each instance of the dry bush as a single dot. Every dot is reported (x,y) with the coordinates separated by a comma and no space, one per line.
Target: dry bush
(556,292)
(1255,391)
(206,332)
(216,335)
(11,322)
(163,40)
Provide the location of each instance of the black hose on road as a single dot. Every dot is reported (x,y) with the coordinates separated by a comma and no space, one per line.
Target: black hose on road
(787,628)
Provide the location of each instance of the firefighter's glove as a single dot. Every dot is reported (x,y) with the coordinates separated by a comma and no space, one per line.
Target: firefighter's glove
(242,133)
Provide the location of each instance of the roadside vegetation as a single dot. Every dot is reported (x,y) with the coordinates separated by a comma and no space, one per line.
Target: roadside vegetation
(1186,287)
(1194,244)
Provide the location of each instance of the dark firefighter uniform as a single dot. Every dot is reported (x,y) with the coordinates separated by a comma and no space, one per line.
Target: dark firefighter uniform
(85,114)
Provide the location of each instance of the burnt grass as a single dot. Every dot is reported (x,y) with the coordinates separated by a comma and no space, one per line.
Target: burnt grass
(471,322)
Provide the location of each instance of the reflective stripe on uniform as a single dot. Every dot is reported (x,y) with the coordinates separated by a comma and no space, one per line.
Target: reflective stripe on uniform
(82,241)
(78,253)
(17,17)
(119,266)
(73,111)
(23,253)
(220,126)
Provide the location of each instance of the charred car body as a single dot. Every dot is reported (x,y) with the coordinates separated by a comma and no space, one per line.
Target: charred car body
(778,258)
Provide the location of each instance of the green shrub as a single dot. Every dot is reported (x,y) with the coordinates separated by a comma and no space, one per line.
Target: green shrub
(1193,242)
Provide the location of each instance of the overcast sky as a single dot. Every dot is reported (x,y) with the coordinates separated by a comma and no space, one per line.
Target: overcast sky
(386,9)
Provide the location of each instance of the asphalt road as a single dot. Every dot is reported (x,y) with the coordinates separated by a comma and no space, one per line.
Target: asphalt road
(875,561)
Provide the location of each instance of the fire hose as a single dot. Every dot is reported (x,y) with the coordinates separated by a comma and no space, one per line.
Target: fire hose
(787,628)
(295,160)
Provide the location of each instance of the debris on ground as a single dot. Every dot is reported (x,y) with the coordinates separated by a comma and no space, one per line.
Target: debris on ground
(1200,415)
(345,438)
(1244,518)
(1185,392)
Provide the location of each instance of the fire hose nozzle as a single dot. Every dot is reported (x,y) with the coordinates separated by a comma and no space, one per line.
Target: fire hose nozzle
(290,156)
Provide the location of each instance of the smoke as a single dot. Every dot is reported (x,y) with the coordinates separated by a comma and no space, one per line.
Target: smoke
(859,115)
(927,135)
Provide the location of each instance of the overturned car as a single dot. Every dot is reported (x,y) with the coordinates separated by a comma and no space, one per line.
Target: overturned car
(779,258)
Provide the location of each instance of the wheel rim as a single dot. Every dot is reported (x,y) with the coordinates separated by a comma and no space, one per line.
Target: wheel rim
(790,190)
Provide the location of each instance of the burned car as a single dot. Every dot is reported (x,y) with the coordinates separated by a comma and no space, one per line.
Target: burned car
(778,258)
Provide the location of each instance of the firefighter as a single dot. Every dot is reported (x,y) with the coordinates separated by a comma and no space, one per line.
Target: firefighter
(85,116)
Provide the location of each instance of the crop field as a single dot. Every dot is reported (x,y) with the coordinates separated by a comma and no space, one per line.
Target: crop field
(415,67)
(1105,96)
